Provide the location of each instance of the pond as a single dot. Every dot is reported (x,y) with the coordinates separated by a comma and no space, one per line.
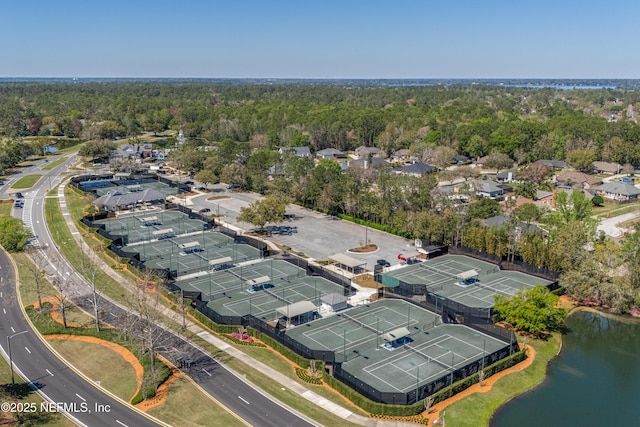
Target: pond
(595,381)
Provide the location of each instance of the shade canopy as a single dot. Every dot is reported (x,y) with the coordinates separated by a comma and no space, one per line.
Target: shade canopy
(296,309)
(396,334)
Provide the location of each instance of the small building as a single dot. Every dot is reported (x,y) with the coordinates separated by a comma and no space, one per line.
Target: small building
(116,201)
(345,262)
(618,191)
(334,302)
(297,313)
(606,168)
(397,337)
(401,155)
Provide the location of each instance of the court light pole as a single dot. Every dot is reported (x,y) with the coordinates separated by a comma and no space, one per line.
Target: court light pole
(510,336)
(13,382)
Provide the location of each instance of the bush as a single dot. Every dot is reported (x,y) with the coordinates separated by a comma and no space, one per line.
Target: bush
(304,376)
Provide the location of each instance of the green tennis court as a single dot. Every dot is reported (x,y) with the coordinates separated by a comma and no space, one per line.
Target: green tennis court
(444,275)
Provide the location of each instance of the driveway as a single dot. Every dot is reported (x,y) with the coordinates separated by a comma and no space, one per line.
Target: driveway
(610,225)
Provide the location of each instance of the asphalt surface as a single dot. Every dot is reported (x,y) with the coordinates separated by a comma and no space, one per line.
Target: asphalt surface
(315,234)
(230,390)
(81,400)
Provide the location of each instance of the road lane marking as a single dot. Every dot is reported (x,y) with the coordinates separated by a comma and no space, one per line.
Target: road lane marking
(205,371)
(121,423)
(28,351)
(240,397)
(49,372)
(4,310)
(13,330)
(82,398)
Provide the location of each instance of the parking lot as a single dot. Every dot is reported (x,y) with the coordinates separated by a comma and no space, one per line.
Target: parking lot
(313,233)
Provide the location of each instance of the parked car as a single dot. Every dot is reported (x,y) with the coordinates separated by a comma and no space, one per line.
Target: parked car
(204,210)
(19,204)
(258,288)
(384,263)
(19,195)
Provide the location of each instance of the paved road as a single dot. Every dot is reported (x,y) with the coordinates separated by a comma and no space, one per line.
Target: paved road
(315,234)
(35,361)
(610,225)
(240,397)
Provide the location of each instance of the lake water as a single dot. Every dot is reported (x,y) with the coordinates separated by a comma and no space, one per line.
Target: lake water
(595,381)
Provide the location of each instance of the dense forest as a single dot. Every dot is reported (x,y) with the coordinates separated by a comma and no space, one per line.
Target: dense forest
(233,133)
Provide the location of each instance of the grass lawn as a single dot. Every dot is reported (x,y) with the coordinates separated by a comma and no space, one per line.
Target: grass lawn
(5,208)
(26,395)
(56,163)
(612,209)
(476,409)
(26,181)
(74,254)
(186,406)
(101,364)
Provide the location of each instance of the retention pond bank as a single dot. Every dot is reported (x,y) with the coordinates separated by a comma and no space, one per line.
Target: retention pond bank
(594,381)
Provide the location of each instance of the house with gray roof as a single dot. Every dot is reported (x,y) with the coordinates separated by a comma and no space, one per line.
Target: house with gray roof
(520,228)
(618,191)
(331,154)
(374,162)
(488,188)
(553,164)
(415,169)
(296,151)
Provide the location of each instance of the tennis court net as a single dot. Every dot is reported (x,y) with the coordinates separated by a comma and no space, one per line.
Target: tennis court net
(426,356)
(444,273)
(276,296)
(362,324)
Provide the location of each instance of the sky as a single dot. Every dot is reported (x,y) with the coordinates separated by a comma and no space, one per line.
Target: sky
(320,39)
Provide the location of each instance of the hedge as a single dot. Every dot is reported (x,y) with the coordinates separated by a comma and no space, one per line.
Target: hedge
(282,349)
(210,324)
(384,409)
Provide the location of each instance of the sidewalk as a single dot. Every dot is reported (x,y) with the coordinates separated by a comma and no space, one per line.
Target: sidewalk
(212,339)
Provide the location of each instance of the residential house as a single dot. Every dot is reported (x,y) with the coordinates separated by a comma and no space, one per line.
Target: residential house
(401,155)
(505,220)
(296,151)
(544,198)
(415,169)
(331,154)
(461,160)
(577,180)
(133,151)
(487,188)
(606,168)
(618,191)
(553,164)
(363,152)
(374,162)
(480,161)
(506,176)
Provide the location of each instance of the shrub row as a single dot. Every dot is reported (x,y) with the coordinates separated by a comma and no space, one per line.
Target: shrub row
(210,324)
(416,419)
(304,376)
(281,348)
(375,225)
(383,409)
(244,342)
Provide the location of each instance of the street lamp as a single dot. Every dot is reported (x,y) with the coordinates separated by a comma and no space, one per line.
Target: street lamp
(13,382)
